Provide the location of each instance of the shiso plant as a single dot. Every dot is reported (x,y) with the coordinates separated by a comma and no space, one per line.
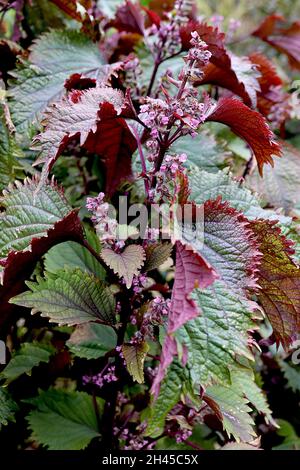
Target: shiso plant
(150,223)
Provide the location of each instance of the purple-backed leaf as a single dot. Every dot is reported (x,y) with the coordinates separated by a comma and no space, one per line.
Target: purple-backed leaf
(224,240)
(214,38)
(273,101)
(284,37)
(19,265)
(191,271)
(33,222)
(250,126)
(241,77)
(93,116)
(279,281)
(129,18)
(169,350)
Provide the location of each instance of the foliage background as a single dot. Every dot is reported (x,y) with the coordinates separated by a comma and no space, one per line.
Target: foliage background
(282,387)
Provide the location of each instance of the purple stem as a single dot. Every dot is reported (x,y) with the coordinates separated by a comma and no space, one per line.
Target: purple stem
(143,161)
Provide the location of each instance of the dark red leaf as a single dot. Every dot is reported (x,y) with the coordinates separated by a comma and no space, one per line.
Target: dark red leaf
(269,77)
(213,38)
(240,77)
(273,101)
(92,115)
(115,144)
(161,7)
(129,18)
(250,126)
(153,17)
(19,265)
(279,281)
(70,7)
(282,35)
(191,271)
(78,82)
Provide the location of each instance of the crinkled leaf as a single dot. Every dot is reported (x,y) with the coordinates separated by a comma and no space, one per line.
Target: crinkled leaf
(134,355)
(168,397)
(39,81)
(129,18)
(156,255)
(280,185)
(218,335)
(73,255)
(9,153)
(25,359)
(241,78)
(243,379)
(206,186)
(33,222)
(250,126)
(70,297)
(282,35)
(92,340)
(229,251)
(213,38)
(229,245)
(94,118)
(191,271)
(8,407)
(29,214)
(292,375)
(278,281)
(63,420)
(231,407)
(203,151)
(125,264)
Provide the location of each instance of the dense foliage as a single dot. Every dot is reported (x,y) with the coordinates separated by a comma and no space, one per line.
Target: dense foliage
(150,223)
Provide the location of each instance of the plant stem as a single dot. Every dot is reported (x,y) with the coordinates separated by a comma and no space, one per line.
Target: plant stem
(194,446)
(248,167)
(165,144)
(153,76)
(96,408)
(109,439)
(143,161)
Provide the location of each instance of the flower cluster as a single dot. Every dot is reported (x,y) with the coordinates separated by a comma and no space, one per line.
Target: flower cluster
(198,56)
(168,33)
(137,443)
(107,375)
(158,309)
(106,226)
(133,72)
(182,435)
(139,282)
(169,178)
(186,113)
(173,163)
